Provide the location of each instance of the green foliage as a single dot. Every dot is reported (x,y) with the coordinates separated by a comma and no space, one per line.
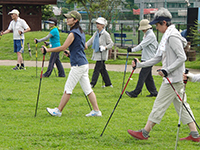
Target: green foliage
(104,8)
(21,130)
(47,12)
(127,29)
(195,36)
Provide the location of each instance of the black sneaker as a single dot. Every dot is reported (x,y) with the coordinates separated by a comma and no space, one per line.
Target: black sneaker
(130,95)
(44,76)
(22,68)
(15,68)
(152,95)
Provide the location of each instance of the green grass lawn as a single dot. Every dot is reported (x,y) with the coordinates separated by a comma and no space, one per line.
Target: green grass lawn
(21,130)
(6,50)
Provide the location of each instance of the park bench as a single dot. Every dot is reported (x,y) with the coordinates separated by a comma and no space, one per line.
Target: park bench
(113,53)
(119,37)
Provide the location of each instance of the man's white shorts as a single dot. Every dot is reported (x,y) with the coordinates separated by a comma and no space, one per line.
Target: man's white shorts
(78,73)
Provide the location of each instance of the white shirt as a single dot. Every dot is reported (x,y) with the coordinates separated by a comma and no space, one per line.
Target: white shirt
(19,25)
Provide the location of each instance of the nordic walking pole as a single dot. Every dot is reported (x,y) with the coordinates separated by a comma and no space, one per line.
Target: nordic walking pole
(40,81)
(182,101)
(119,98)
(125,70)
(29,50)
(88,101)
(181,107)
(36,41)
(47,44)
(101,69)
(22,50)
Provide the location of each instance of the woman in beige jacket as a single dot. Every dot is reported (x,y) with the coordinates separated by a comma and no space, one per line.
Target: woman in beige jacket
(101,42)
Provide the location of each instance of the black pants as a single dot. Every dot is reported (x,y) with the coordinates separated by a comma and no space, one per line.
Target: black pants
(100,68)
(55,59)
(145,76)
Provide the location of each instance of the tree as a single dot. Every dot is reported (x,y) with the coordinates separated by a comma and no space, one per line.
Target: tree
(47,12)
(194,36)
(96,8)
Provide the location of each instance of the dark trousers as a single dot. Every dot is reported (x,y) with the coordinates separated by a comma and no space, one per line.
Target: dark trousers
(100,68)
(55,59)
(145,76)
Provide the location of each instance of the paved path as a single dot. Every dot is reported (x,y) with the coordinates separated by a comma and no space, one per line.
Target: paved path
(109,67)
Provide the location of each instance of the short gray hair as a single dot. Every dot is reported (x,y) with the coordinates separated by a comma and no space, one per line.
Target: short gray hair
(163,12)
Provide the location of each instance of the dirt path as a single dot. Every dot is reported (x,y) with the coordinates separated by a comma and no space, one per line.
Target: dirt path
(109,67)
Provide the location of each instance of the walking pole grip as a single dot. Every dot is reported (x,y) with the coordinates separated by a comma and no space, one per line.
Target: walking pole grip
(45,51)
(135,63)
(186,72)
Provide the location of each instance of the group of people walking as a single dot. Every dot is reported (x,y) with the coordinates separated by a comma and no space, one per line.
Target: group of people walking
(170,51)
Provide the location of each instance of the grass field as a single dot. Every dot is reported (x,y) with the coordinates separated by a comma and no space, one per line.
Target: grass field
(20,130)
(6,50)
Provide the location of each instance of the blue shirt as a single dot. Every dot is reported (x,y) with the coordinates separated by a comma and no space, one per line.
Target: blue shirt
(77,54)
(55,39)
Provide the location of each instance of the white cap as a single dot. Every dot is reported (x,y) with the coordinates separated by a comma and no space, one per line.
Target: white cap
(14,11)
(101,20)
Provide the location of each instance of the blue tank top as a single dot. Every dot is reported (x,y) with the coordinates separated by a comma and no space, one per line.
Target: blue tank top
(77,54)
(55,39)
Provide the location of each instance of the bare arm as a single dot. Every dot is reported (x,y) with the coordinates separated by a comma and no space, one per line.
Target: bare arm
(27,30)
(5,32)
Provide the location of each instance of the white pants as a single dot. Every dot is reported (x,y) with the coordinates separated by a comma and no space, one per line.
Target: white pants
(78,73)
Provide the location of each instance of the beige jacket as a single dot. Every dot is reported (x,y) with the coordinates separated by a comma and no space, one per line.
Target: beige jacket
(104,40)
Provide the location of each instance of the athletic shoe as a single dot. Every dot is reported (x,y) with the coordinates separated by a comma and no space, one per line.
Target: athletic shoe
(61,76)
(22,68)
(92,86)
(107,86)
(137,134)
(152,95)
(54,112)
(94,113)
(191,138)
(43,76)
(15,68)
(130,95)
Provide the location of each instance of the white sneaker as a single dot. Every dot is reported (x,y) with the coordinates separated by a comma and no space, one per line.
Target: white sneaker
(94,113)
(54,112)
(107,86)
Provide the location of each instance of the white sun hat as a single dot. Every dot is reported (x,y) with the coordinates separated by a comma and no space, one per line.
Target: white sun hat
(144,25)
(101,20)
